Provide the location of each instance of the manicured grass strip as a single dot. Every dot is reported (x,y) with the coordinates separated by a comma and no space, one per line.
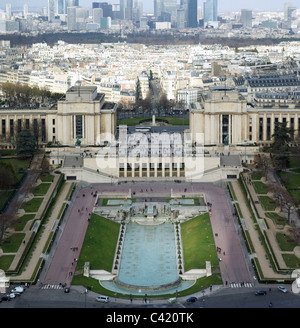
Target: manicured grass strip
(12,243)
(267,203)
(5,261)
(260,187)
(20,223)
(5,196)
(47,177)
(33,205)
(256,176)
(291,260)
(93,284)
(198,243)
(137,120)
(19,166)
(41,189)
(285,242)
(279,220)
(99,244)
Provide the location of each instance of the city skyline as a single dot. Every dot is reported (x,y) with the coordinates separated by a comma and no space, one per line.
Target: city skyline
(223,5)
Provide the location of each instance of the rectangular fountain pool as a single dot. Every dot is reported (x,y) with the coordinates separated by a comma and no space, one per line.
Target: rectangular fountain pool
(148,256)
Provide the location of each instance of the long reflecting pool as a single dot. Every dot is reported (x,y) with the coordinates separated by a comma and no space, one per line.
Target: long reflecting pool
(148,261)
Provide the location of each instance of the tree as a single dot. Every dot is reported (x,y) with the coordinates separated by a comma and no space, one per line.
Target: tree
(282,137)
(26,144)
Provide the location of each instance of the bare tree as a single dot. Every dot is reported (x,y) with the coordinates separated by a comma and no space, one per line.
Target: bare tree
(5,220)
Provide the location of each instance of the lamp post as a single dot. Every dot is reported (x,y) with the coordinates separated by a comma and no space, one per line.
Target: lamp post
(245,143)
(58,144)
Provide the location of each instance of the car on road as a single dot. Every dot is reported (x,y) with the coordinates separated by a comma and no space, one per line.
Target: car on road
(282,289)
(261,292)
(192,299)
(101,298)
(67,290)
(6,298)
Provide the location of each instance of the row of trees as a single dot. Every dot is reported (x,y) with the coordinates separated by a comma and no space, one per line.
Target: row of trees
(18,95)
(278,158)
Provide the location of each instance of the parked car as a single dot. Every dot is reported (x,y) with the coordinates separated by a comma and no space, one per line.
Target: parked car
(192,299)
(172,300)
(6,298)
(261,292)
(101,298)
(282,289)
(18,289)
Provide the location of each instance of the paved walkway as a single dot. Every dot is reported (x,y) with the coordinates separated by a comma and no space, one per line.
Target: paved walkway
(249,225)
(233,266)
(48,228)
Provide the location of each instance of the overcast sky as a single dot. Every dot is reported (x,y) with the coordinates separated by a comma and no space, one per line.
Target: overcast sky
(224,5)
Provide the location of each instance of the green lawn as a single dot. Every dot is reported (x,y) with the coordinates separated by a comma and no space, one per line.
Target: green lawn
(291,261)
(277,219)
(198,243)
(5,261)
(11,244)
(285,242)
(99,244)
(19,223)
(33,205)
(4,198)
(291,181)
(137,120)
(256,176)
(260,187)
(267,203)
(19,166)
(41,189)
(47,177)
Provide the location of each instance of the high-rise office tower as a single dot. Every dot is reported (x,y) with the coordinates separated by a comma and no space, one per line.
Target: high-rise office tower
(25,11)
(97,15)
(158,8)
(51,10)
(210,11)
(106,7)
(181,21)
(71,21)
(289,11)
(246,17)
(192,6)
(60,7)
(71,3)
(8,10)
(170,7)
(122,8)
(138,9)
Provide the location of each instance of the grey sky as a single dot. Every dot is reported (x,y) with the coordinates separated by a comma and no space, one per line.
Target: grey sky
(224,5)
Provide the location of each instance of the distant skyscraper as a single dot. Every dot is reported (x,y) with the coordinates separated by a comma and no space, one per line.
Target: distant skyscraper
(122,8)
(25,11)
(246,17)
(210,11)
(97,15)
(158,6)
(192,13)
(170,7)
(107,8)
(51,10)
(71,21)
(70,3)
(138,9)
(8,10)
(181,18)
(289,11)
(60,7)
